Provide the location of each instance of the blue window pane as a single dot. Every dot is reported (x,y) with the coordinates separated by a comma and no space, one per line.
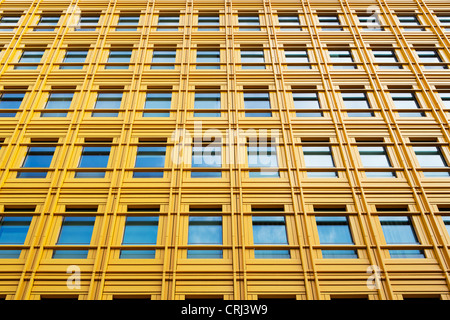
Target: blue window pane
(205,230)
(206,174)
(204,254)
(13,230)
(339,254)
(333,230)
(58,101)
(76,231)
(107,101)
(157,101)
(398,230)
(37,157)
(94,157)
(319,157)
(10,254)
(406,254)
(206,156)
(137,254)
(305,100)
(10,101)
(272,254)
(140,230)
(207,101)
(269,230)
(257,101)
(165,57)
(150,157)
(262,157)
(70,254)
(30,57)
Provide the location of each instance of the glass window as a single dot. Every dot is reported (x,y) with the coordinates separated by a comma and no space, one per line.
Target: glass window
(370,22)
(446,220)
(47,21)
(431,59)
(207,22)
(335,230)
(29,59)
(319,157)
(208,59)
(252,59)
(93,157)
(297,59)
(341,59)
(86,23)
(150,157)
(107,101)
(206,156)
(256,103)
(127,23)
(13,231)
(119,58)
(163,59)
(399,230)
(36,157)
(168,22)
(207,101)
(57,101)
(406,100)
(74,231)
(330,22)
(305,102)
(73,57)
(205,231)
(375,157)
(139,231)
(263,157)
(8,22)
(155,101)
(289,22)
(10,101)
(270,230)
(249,23)
(356,100)
(444,20)
(445,97)
(409,21)
(386,59)
(431,157)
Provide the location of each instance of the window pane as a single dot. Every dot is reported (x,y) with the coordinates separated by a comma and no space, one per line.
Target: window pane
(269,230)
(74,57)
(140,230)
(257,101)
(13,230)
(118,56)
(58,101)
(107,101)
(356,100)
(406,254)
(163,56)
(306,101)
(319,157)
(94,157)
(76,230)
(249,23)
(205,230)
(10,101)
(252,56)
(207,101)
(333,230)
(339,254)
(210,57)
(398,230)
(137,254)
(272,254)
(150,157)
(157,101)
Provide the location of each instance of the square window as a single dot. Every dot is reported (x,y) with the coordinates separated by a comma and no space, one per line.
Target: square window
(208,22)
(207,102)
(74,231)
(263,157)
(57,101)
(93,157)
(204,230)
(252,59)
(29,60)
(119,59)
(376,157)
(150,157)
(206,156)
(305,104)
(157,102)
(107,101)
(255,104)
(10,101)
(356,100)
(168,22)
(319,157)
(74,59)
(249,23)
(208,59)
(163,59)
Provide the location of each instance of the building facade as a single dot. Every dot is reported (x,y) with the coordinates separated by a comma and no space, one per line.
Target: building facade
(224,149)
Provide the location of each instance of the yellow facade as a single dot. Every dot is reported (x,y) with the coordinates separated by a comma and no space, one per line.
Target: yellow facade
(403,187)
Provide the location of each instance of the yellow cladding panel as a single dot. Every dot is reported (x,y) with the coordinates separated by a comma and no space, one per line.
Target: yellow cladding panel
(230,150)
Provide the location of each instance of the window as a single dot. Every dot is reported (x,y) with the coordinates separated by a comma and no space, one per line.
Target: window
(399,230)
(57,102)
(157,103)
(10,101)
(118,59)
(207,102)
(208,59)
(406,101)
(444,20)
(252,59)
(7,23)
(319,157)
(74,231)
(87,23)
(150,155)
(168,22)
(208,22)
(358,101)
(409,22)
(74,59)
(335,230)
(248,22)
(341,59)
(206,156)
(375,157)
(370,22)
(289,22)
(139,231)
(270,230)
(107,101)
(264,157)
(431,157)
(330,23)
(445,97)
(46,23)
(128,23)
(257,104)
(93,157)
(386,59)
(446,220)
(205,231)
(306,104)
(29,59)
(13,231)
(37,157)
(297,59)
(163,59)
(430,59)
